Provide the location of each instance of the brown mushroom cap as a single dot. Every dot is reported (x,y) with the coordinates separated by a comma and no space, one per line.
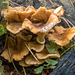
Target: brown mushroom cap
(24,37)
(14,27)
(17,49)
(20,13)
(30,60)
(35,46)
(61,35)
(22,63)
(45,54)
(42,14)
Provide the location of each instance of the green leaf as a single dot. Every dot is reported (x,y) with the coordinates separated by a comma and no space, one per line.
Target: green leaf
(51,62)
(51,48)
(39,69)
(52,67)
(3,30)
(5,1)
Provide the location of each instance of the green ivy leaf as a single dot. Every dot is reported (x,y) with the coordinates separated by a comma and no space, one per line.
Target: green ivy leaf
(5,1)
(3,30)
(39,69)
(52,67)
(51,48)
(51,62)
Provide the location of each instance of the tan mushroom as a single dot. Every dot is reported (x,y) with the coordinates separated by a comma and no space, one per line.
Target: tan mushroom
(22,63)
(35,46)
(41,27)
(17,50)
(30,60)
(41,38)
(62,36)
(45,54)
(42,14)
(14,27)
(24,37)
(19,13)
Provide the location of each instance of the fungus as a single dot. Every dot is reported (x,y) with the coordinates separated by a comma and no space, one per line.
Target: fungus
(45,54)
(35,46)
(62,36)
(31,61)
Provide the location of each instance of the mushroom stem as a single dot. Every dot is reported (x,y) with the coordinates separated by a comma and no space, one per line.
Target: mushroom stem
(31,52)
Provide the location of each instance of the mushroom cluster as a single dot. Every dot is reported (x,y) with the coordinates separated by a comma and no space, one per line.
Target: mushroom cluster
(28,28)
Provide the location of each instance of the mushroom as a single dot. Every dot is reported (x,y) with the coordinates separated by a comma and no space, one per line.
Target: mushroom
(45,54)
(41,38)
(31,61)
(14,27)
(61,35)
(41,27)
(17,49)
(19,13)
(24,37)
(22,63)
(35,46)
(42,14)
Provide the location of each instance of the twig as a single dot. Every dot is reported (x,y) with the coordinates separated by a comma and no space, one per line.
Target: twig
(67,50)
(6,41)
(31,52)
(72,3)
(52,3)
(11,57)
(70,22)
(24,70)
(66,21)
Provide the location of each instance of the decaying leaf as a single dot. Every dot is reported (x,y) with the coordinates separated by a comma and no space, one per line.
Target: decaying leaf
(62,36)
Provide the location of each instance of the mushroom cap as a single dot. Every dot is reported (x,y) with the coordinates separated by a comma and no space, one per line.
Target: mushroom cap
(45,54)
(22,63)
(20,13)
(35,46)
(24,37)
(17,49)
(61,35)
(42,14)
(30,60)
(14,27)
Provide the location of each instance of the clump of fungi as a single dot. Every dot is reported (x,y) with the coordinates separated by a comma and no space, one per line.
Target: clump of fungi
(28,30)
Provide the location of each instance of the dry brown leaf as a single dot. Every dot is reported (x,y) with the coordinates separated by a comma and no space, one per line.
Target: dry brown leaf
(45,54)
(62,36)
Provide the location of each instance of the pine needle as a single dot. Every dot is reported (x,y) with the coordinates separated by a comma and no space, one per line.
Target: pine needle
(11,57)
(24,70)
(31,52)
(66,21)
